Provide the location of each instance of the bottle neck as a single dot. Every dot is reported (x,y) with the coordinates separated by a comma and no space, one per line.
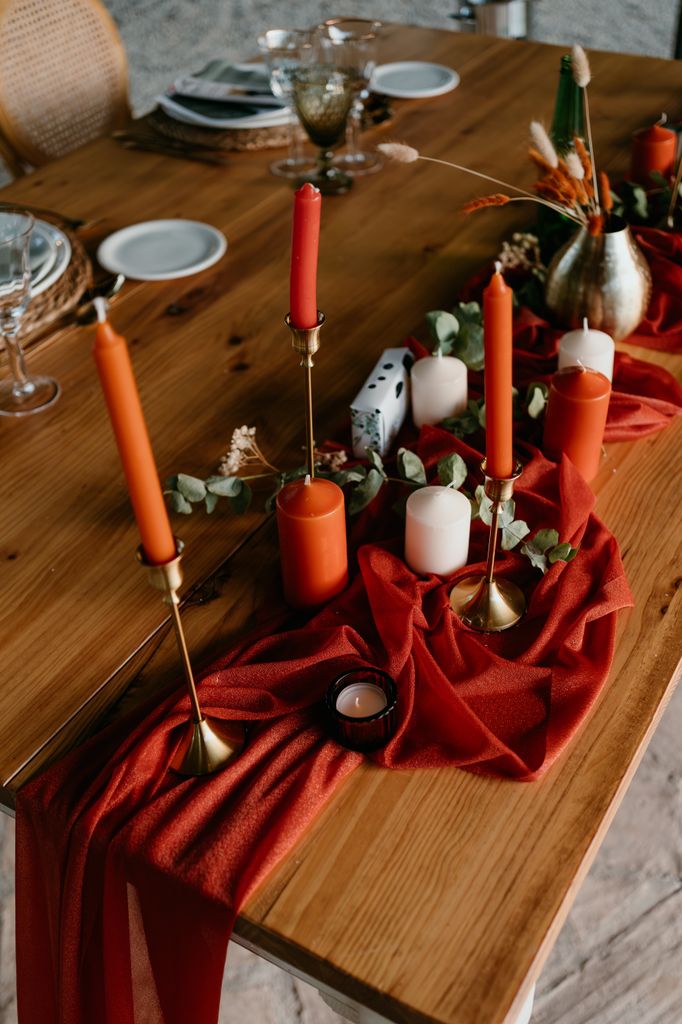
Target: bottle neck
(569,114)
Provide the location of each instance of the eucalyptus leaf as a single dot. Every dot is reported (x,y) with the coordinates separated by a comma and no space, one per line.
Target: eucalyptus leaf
(443,328)
(562,553)
(537,400)
(410,466)
(452,471)
(191,487)
(469,312)
(537,558)
(544,540)
(211,502)
(399,506)
(180,504)
(240,502)
(468,345)
(224,486)
(466,423)
(349,476)
(375,461)
(366,491)
(514,534)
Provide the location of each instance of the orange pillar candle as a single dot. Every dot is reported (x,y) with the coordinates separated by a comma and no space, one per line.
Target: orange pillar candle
(305,240)
(312,541)
(497,335)
(653,149)
(127,419)
(576,416)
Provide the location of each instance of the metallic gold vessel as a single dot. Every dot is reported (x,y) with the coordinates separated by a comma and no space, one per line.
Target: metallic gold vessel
(604,278)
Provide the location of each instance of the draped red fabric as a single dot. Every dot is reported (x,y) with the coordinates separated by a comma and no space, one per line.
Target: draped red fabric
(129,878)
(662,325)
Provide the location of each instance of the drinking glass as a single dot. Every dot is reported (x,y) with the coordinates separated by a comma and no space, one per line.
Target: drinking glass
(323,97)
(285,50)
(350,44)
(23,394)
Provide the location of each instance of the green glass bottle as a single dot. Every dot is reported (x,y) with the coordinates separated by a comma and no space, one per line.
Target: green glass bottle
(569,113)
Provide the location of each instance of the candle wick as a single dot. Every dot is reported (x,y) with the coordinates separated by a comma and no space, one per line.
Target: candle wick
(438,353)
(581,365)
(100,305)
(498,267)
(307,479)
(662,120)
(586,324)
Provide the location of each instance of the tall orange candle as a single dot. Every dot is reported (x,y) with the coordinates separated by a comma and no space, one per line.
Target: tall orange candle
(497,336)
(127,419)
(305,240)
(576,416)
(653,149)
(312,541)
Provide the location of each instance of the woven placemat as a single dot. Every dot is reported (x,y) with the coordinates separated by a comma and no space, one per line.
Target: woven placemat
(64,294)
(235,139)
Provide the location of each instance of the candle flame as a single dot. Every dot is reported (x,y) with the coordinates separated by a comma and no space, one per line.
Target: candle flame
(100,305)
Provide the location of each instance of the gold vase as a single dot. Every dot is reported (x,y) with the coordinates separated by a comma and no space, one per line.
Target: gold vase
(604,278)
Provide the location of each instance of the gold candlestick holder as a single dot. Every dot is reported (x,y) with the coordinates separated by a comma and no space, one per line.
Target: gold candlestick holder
(483,602)
(306,341)
(208,743)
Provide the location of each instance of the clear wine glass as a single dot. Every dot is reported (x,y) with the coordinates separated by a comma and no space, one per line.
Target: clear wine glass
(23,394)
(323,96)
(351,44)
(285,50)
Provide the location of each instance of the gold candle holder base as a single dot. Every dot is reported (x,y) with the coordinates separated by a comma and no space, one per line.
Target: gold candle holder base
(482,602)
(306,341)
(209,743)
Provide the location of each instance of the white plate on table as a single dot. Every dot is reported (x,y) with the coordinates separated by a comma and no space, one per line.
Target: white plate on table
(57,259)
(162,250)
(413,79)
(270,118)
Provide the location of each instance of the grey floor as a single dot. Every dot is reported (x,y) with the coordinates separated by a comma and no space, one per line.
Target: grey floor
(618,959)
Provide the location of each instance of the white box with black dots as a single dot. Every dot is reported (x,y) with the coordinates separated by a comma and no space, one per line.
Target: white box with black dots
(380,407)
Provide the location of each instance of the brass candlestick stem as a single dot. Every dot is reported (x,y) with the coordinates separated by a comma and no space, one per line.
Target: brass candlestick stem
(208,743)
(483,602)
(306,341)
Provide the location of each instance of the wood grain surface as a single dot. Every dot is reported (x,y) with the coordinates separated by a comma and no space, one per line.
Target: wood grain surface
(428,896)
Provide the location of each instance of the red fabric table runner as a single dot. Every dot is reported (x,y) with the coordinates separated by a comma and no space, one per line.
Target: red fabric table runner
(129,878)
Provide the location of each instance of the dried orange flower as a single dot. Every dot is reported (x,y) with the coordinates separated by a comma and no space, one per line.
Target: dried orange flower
(498,199)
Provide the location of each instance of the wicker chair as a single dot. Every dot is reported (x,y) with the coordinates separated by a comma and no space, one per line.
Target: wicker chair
(63,78)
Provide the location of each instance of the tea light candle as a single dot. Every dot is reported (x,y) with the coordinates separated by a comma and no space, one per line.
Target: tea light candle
(362,708)
(576,416)
(439,388)
(589,348)
(437,524)
(653,149)
(360,700)
(311,524)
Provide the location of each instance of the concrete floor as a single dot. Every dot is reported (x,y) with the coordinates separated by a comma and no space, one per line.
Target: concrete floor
(618,959)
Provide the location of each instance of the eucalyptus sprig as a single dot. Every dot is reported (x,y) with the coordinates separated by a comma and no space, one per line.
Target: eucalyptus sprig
(544,550)
(459,333)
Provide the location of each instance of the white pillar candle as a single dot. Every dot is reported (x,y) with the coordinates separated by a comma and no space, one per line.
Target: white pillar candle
(360,700)
(437,526)
(591,349)
(439,388)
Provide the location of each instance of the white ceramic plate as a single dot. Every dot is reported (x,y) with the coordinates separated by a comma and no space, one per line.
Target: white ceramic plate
(267,119)
(413,79)
(162,250)
(56,263)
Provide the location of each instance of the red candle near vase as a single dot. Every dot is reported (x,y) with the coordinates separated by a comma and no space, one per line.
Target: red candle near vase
(497,336)
(135,450)
(653,149)
(576,416)
(311,520)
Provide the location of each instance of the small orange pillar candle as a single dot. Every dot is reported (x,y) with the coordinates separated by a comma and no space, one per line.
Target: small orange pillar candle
(312,541)
(497,331)
(653,149)
(576,416)
(305,240)
(127,419)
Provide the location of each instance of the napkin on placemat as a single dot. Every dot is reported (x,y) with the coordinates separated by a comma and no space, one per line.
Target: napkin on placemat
(129,878)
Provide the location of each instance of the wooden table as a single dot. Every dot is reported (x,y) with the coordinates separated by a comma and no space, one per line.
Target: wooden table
(430,896)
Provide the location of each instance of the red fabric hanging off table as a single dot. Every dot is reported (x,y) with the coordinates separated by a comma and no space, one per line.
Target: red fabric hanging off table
(129,878)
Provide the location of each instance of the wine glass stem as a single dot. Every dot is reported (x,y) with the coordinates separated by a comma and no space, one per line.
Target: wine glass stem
(353,129)
(324,162)
(294,141)
(17,364)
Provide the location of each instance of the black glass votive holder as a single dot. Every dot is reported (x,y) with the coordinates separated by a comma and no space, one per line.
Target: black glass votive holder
(359,731)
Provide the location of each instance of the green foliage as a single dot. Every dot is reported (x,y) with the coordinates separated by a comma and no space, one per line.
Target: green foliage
(366,491)
(410,467)
(452,471)
(544,550)
(459,333)
(469,421)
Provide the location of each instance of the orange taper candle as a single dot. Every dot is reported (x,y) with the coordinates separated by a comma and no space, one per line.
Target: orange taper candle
(576,416)
(312,541)
(653,149)
(497,334)
(127,419)
(305,241)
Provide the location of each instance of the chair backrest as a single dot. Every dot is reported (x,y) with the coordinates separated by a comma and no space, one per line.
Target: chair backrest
(63,76)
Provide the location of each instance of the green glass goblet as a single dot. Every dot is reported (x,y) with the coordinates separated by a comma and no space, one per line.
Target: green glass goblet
(323,98)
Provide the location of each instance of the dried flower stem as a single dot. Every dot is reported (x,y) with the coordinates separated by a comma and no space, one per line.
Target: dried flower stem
(588,122)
